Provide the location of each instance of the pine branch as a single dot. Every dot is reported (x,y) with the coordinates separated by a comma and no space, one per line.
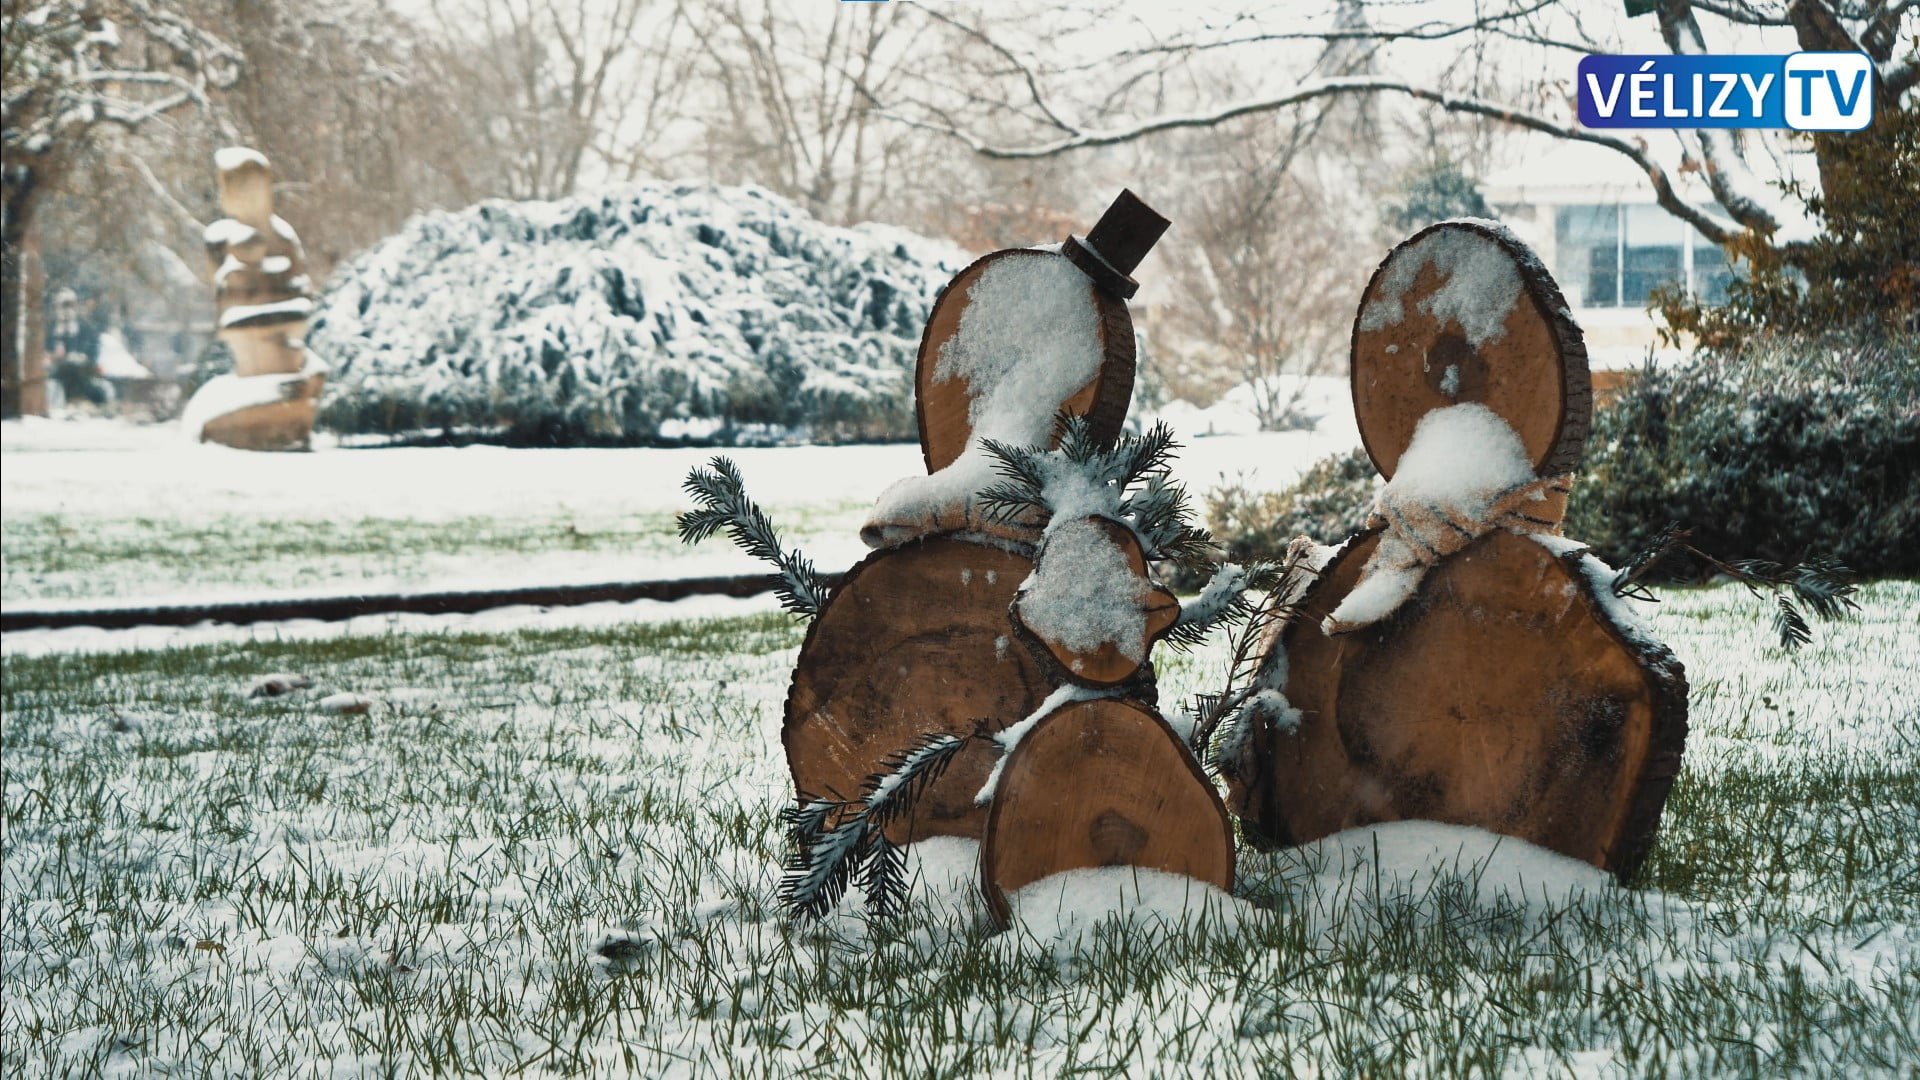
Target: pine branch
(1252,669)
(1148,454)
(721,494)
(906,775)
(825,861)
(1790,625)
(1823,584)
(817,874)
(885,880)
(1233,593)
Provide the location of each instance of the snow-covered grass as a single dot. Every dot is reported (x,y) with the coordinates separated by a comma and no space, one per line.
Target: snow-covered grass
(554,850)
(97,510)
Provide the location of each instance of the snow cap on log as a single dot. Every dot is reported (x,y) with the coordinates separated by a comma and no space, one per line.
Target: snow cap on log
(1116,244)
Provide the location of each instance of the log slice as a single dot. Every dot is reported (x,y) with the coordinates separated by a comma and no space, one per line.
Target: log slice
(1463,311)
(914,640)
(943,407)
(1502,695)
(1102,783)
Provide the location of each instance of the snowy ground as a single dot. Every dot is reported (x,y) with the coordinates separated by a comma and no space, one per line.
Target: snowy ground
(552,849)
(98,510)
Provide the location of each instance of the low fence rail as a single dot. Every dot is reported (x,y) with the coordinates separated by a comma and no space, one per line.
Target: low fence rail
(351,605)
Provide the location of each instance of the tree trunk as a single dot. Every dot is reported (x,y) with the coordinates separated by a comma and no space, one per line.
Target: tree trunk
(22,378)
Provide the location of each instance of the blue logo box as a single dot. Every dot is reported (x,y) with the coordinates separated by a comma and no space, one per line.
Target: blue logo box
(1808,91)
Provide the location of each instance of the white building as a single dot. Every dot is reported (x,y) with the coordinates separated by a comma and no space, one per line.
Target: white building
(1591,215)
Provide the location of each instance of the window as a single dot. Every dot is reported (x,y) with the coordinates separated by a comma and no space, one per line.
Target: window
(1654,244)
(1588,238)
(1616,256)
(1711,272)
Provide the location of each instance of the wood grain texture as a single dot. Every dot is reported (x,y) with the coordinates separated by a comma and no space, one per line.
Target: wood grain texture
(1501,695)
(1102,783)
(942,407)
(915,640)
(1108,665)
(1534,375)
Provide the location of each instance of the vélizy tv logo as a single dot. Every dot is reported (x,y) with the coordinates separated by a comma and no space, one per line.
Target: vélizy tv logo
(1806,91)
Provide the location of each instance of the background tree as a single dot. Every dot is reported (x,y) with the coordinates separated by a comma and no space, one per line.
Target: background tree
(74,71)
(1746,172)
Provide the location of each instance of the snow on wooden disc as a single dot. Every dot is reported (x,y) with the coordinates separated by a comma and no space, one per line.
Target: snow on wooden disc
(1510,692)
(1016,337)
(1464,312)
(1091,602)
(914,640)
(1102,783)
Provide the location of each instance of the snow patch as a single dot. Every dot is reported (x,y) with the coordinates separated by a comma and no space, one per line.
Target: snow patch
(1083,593)
(229,158)
(1461,459)
(1009,737)
(298,307)
(1064,912)
(345,704)
(228,231)
(1480,284)
(1028,340)
(224,395)
(1409,855)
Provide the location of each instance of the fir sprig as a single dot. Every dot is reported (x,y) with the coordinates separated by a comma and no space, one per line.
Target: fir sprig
(1233,593)
(1222,720)
(722,495)
(1124,478)
(825,860)
(1822,585)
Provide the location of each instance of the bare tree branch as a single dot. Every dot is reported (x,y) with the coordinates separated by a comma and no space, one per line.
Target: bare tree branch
(1709,226)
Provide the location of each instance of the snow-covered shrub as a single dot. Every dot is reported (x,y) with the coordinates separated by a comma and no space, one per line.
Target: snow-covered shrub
(638,314)
(1328,503)
(1791,449)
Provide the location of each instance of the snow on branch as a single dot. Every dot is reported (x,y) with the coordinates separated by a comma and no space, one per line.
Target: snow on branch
(1123,479)
(1221,724)
(724,504)
(826,859)
(1728,176)
(1822,584)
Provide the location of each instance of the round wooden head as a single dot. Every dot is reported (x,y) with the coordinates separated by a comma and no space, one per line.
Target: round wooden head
(1016,337)
(1461,312)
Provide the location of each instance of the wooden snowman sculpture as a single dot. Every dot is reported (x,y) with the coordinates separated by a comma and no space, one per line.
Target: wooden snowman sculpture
(966,623)
(262,292)
(1459,660)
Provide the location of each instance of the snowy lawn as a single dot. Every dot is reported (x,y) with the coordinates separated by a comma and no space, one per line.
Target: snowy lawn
(104,511)
(553,850)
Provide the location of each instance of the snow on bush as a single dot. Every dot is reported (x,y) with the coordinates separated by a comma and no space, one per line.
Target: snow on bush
(647,312)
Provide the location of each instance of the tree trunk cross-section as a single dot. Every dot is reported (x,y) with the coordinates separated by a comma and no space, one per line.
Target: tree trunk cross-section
(1102,783)
(1420,356)
(1106,665)
(1501,695)
(944,407)
(915,640)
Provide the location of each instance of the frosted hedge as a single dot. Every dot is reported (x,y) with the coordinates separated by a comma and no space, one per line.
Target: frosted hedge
(647,313)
